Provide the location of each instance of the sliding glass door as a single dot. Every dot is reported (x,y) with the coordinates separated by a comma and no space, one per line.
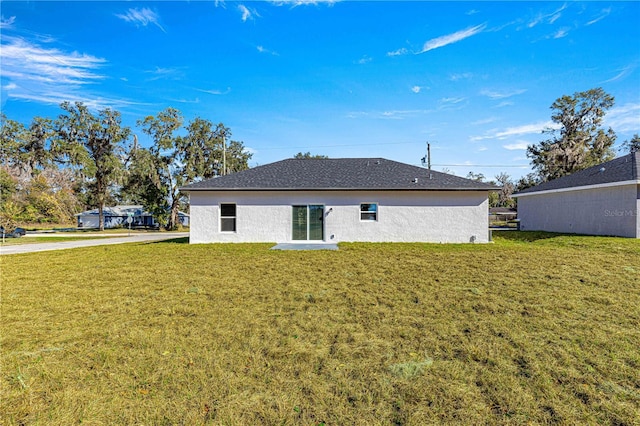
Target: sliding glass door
(308,223)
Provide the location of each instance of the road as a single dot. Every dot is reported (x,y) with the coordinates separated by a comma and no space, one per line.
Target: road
(62,245)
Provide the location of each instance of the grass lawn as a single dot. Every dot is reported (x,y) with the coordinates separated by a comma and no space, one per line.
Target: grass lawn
(534,329)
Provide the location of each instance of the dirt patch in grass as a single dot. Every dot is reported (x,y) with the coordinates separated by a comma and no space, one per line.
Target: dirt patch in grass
(528,331)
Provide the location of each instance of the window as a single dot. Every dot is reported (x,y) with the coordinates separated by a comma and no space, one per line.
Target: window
(369,211)
(227,217)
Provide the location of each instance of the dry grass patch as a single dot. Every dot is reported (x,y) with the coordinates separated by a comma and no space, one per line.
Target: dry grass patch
(518,332)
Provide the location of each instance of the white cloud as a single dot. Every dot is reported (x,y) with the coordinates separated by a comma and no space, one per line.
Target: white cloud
(216,92)
(625,118)
(165,74)
(451,101)
(399,52)
(519,145)
(416,89)
(554,18)
(445,40)
(501,95)
(549,17)
(484,121)
(603,14)
(389,115)
(365,60)
(142,17)
(561,33)
(460,76)
(7,23)
(296,3)
(23,61)
(186,101)
(504,104)
(247,14)
(534,128)
(263,49)
(36,73)
(623,73)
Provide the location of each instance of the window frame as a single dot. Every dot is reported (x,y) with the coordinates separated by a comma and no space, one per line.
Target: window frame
(234,217)
(367,212)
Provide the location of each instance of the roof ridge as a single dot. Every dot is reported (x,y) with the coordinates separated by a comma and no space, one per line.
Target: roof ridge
(373,173)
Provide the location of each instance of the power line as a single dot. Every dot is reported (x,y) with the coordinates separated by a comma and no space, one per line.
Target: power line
(515,166)
(336,146)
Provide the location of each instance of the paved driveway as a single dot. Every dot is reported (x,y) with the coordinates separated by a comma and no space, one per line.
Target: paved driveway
(135,238)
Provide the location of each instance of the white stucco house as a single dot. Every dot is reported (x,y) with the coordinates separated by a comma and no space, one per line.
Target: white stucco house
(116,216)
(600,200)
(336,200)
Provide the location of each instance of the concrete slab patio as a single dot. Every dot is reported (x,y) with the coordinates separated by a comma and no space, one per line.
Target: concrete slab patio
(305,246)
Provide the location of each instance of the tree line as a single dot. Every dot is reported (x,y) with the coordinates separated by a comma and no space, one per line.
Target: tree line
(54,168)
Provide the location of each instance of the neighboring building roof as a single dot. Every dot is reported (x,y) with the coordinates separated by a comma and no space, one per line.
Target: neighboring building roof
(621,169)
(502,210)
(121,211)
(333,174)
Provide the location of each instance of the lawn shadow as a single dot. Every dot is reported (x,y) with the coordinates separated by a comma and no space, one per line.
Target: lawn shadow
(181,240)
(527,236)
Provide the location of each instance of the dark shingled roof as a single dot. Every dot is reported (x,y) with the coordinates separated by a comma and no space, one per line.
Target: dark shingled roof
(338,174)
(621,169)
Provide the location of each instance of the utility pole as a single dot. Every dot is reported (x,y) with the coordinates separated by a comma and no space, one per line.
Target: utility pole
(224,156)
(427,159)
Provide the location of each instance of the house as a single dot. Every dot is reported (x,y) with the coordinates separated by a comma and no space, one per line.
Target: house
(117,216)
(600,200)
(335,200)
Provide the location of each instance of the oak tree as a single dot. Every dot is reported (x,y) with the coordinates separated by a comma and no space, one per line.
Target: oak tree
(92,142)
(578,141)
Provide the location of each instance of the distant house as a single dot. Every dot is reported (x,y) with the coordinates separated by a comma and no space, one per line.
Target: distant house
(502,213)
(600,200)
(335,200)
(117,216)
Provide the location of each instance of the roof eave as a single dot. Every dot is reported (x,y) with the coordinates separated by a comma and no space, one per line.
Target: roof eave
(578,188)
(335,189)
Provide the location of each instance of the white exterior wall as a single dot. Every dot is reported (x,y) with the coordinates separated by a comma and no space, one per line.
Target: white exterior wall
(596,211)
(411,216)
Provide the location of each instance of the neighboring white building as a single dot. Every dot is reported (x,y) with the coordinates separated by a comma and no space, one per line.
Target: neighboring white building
(336,200)
(600,200)
(116,216)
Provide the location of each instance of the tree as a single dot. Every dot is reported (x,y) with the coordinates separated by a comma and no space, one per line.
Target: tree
(144,182)
(11,134)
(478,177)
(164,160)
(307,156)
(632,145)
(578,142)
(92,142)
(507,186)
(527,181)
(35,150)
(204,152)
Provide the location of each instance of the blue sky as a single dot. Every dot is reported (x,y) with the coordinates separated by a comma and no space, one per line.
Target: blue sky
(344,79)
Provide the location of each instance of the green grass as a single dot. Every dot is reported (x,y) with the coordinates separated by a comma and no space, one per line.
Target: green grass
(534,329)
